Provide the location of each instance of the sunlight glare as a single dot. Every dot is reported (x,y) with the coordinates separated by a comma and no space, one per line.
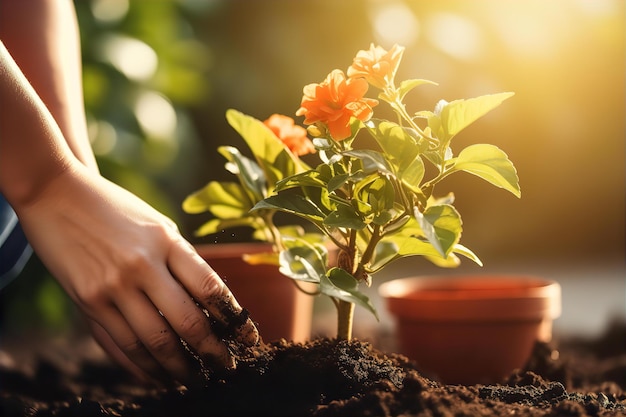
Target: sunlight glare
(394,23)
(597,7)
(454,35)
(535,31)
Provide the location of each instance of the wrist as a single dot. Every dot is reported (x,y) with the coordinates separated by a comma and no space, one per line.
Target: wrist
(24,190)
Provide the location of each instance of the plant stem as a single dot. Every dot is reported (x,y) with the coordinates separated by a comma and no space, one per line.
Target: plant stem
(398,106)
(371,245)
(271,231)
(345,316)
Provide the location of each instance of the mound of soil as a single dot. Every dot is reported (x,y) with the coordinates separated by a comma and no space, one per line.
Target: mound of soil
(326,377)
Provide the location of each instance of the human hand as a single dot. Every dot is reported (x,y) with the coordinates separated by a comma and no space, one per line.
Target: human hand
(141,285)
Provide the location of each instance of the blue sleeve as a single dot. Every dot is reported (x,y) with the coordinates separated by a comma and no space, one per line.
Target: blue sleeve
(14,248)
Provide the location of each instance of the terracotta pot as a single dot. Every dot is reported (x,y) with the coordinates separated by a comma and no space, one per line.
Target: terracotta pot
(274,302)
(471,329)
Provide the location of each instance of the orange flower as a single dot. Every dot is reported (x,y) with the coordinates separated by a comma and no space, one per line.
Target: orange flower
(377,65)
(334,101)
(292,135)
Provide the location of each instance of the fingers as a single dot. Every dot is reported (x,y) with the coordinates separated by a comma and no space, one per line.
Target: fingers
(110,347)
(149,340)
(189,322)
(138,334)
(124,345)
(207,288)
(142,341)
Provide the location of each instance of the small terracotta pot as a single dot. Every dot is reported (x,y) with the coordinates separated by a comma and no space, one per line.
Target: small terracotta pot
(471,329)
(273,300)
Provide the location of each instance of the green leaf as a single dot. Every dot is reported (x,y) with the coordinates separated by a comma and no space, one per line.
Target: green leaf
(260,232)
(311,178)
(491,164)
(413,174)
(292,203)
(344,216)
(403,150)
(343,286)
(302,260)
(272,155)
(261,258)
(337,182)
(249,173)
(374,195)
(399,246)
(385,252)
(462,250)
(437,158)
(408,85)
(394,140)
(451,261)
(225,200)
(457,115)
(372,160)
(402,246)
(409,242)
(441,226)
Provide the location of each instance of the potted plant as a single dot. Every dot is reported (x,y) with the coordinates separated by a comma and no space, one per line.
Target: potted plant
(251,268)
(374,201)
(378,203)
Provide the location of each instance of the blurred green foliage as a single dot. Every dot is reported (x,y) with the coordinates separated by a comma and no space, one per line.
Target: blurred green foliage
(143,70)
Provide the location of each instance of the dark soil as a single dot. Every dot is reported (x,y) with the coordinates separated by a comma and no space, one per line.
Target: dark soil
(330,378)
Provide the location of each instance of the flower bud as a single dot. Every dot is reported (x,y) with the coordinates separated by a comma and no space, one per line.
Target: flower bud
(314,131)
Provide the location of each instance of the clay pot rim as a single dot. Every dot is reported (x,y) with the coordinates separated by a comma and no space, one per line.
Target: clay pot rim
(478,286)
(473,297)
(231,250)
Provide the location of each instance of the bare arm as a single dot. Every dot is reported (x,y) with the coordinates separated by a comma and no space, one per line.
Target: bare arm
(42,36)
(140,284)
(32,149)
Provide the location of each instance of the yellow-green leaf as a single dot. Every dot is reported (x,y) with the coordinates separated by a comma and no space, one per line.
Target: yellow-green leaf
(408,85)
(458,114)
(271,154)
(263,258)
(491,164)
(226,200)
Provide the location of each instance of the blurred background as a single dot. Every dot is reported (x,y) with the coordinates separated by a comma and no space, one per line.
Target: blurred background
(159,76)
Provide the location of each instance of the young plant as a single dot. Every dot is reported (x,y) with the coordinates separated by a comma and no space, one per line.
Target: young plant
(376,205)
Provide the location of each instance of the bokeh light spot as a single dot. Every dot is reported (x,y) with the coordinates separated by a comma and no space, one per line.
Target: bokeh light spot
(455,35)
(133,58)
(394,23)
(156,116)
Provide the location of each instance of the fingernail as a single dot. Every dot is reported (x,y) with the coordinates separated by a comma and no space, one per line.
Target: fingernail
(248,334)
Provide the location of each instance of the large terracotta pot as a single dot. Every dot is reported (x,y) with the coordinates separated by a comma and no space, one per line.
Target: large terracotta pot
(471,329)
(273,300)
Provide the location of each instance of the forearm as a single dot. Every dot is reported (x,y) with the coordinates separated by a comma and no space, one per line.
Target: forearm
(32,149)
(42,37)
